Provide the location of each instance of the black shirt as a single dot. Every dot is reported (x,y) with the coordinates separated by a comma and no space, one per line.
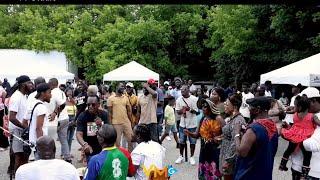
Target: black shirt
(81,102)
(86,125)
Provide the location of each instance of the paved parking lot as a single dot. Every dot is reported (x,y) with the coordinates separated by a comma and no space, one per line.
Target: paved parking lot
(185,170)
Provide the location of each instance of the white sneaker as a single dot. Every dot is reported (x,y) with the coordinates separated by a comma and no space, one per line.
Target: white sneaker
(179,160)
(192,161)
(168,138)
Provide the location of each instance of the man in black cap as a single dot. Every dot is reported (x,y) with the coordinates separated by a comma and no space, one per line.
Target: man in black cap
(17,111)
(37,114)
(258,145)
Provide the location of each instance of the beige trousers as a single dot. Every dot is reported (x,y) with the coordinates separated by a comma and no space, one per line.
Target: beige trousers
(126,130)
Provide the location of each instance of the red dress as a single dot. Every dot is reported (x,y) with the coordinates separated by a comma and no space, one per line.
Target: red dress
(301,129)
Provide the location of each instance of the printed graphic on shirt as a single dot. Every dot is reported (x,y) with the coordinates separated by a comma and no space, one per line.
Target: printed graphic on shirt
(92,128)
(116,165)
(80,100)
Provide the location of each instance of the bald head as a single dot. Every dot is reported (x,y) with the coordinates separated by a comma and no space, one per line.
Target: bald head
(46,147)
(38,81)
(53,82)
(107,135)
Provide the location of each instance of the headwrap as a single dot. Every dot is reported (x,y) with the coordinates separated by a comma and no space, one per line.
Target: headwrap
(213,107)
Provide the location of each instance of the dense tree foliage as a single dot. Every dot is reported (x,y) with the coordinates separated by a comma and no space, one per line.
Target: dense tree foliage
(225,43)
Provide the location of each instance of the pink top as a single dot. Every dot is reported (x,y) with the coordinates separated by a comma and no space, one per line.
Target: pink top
(1,102)
(300,130)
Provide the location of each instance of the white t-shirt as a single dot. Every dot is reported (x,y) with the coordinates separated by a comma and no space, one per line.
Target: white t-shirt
(18,104)
(41,109)
(52,169)
(146,155)
(193,88)
(289,117)
(244,109)
(267,93)
(58,98)
(191,119)
(310,144)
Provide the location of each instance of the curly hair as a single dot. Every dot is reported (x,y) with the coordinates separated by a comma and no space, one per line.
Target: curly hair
(143,131)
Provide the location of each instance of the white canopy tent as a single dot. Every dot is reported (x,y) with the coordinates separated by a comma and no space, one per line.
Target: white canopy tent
(16,62)
(132,71)
(306,72)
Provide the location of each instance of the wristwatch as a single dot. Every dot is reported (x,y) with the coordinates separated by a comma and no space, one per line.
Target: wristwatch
(237,135)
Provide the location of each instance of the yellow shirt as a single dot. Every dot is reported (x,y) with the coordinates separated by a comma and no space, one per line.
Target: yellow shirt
(133,101)
(169,115)
(72,110)
(119,109)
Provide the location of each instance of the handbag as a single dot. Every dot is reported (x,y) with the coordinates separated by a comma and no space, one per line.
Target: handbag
(26,132)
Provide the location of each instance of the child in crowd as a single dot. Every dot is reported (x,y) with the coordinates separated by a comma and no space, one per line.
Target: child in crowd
(302,128)
(170,120)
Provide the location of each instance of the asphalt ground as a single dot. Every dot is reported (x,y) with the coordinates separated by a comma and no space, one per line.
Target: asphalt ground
(185,171)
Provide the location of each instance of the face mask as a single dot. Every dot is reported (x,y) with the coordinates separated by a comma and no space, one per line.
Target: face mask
(120,90)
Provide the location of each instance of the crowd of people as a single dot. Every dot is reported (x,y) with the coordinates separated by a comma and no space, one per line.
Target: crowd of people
(121,131)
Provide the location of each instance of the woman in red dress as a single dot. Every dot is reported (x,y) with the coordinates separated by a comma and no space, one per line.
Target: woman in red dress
(302,128)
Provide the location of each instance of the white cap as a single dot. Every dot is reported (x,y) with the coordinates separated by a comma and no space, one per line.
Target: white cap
(129,84)
(310,92)
(166,83)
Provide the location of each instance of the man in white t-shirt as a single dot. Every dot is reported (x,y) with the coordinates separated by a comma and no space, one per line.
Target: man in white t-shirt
(38,123)
(148,156)
(310,144)
(186,106)
(17,111)
(246,94)
(57,108)
(47,167)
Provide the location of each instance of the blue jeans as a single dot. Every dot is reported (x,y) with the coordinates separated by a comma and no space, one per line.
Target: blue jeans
(183,137)
(160,121)
(70,133)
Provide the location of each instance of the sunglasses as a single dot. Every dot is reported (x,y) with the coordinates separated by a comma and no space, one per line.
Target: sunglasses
(92,104)
(205,105)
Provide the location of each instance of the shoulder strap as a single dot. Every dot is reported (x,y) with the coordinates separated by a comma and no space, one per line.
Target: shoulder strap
(185,102)
(129,101)
(32,112)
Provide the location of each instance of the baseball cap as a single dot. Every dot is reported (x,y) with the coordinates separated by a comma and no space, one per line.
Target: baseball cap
(22,79)
(166,83)
(178,78)
(264,103)
(42,87)
(130,84)
(310,92)
(151,81)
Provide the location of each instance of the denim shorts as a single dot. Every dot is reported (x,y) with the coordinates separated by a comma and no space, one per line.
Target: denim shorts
(183,137)
(171,128)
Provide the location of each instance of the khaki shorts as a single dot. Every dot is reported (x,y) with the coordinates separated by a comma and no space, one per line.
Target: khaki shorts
(17,145)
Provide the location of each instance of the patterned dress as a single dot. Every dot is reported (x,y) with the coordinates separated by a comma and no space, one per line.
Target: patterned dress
(228,146)
(209,152)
